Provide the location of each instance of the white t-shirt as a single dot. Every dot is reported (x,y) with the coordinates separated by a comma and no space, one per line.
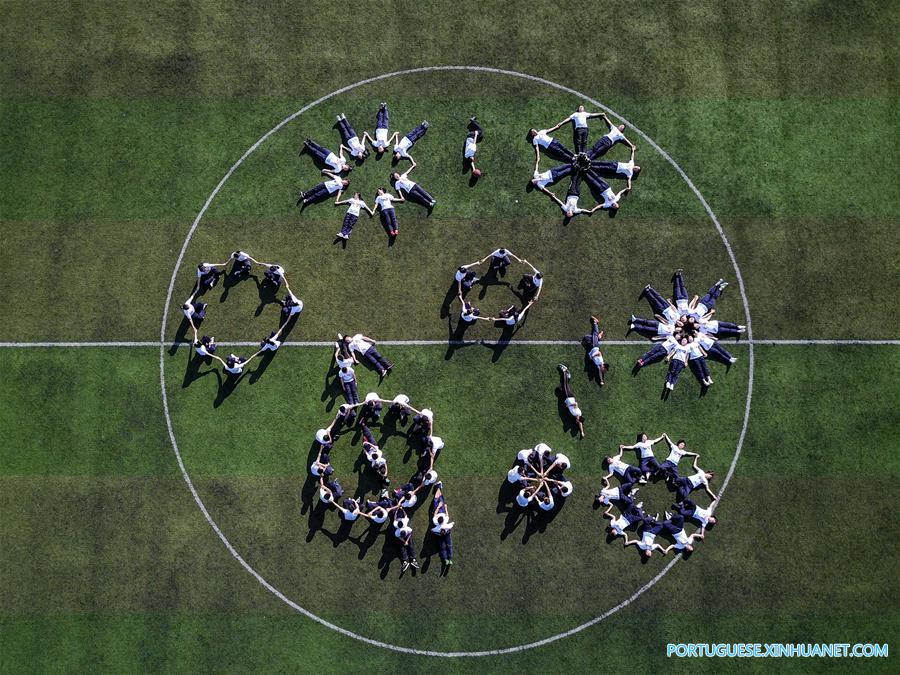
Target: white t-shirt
(572,405)
(543,178)
(471,147)
(579,119)
(467,314)
(334,161)
(297,306)
(404,183)
(523,499)
(683,305)
(436,442)
(545,505)
(428,413)
(542,138)
(512,320)
(378,515)
(610,493)
(542,449)
(680,354)
(402,399)
(210,267)
(356,146)
(316,469)
(563,461)
(359,344)
(237,368)
(537,281)
(671,314)
(441,529)
(620,523)
(675,454)
(698,479)
(350,515)
(347,376)
(334,185)
(188,310)
(322,436)
(645,448)
(618,466)
(609,198)
(271,345)
(409,501)
(711,327)
(681,539)
(460,275)
(403,147)
(615,135)
(355,206)
(381,136)
(523,455)
(513,475)
(665,328)
(384,202)
(371,396)
(241,256)
(342,362)
(702,515)
(325,494)
(202,350)
(625,168)
(647,541)
(669,344)
(565,488)
(596,356)
(694,351)
(430,477)
(402,532)
(571,204)
(705,341)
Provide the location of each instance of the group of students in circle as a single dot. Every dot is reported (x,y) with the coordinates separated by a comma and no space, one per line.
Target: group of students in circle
(337,167)
(540,473)
(394,505)
(632,516)
(207,277)
(584,164)
(466,276)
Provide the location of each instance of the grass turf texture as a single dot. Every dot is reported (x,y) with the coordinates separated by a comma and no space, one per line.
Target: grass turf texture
(117,121)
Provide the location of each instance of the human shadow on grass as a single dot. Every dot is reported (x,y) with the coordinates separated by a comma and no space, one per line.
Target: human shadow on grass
(491,278)
(268,294)
(232,279)
(262,363)
(449,297)
(456,336)
(535,519)
(192,368)
(503,341)
(227,386)
(181,334)
(568,422)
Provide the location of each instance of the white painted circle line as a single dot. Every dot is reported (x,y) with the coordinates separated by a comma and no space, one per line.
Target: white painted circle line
(199,501)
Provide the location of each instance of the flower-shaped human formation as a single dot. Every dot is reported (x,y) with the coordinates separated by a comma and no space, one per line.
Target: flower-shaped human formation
(336,168)
(583,165)
(399,504)
(528,290)
(633,517)
(539,472)
(684,332)
(242,265)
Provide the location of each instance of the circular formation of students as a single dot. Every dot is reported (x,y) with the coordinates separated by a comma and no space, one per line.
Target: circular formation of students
(398,504)
(540,473)
(633,517)
(685,332)
(242,267)
(466,277)
(584,164)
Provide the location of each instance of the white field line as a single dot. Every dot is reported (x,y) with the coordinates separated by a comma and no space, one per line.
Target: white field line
(425,343)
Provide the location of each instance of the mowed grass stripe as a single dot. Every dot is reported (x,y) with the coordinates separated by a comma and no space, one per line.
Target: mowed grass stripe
(499,592)
(190,643)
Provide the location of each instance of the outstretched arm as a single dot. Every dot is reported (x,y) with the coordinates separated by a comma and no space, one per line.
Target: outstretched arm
(696,457)
(580,428)
(367,138)
(338,201)
(631,161)
(712,495)
(412,165)
(393,140)
(537,157)
(554,197)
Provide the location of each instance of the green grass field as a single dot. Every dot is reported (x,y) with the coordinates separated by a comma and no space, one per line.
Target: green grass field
(117,120)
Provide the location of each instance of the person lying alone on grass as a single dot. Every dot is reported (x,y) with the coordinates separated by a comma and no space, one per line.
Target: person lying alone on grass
(565,392)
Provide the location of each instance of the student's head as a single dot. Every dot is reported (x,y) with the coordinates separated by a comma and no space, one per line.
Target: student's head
(570,212)
(688,548)
(647,552)
(235,254)
(581,108)
(441,518)
(683,342)
(344,181)
(345,369)
(381,191)
(531,134)
(681,443)
(356,195)
(538,275)
(710,475)
(186,306)
(547,499)
(621,127)
(273,268)
(607,460)
(344,409)
(397,156)
(603,499)
(501,251)
(641,437)
(635,171)
(379,150)
(395,176)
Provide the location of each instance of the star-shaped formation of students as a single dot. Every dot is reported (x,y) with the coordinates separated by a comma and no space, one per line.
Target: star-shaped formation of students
(336,167)
(396,505)
(583,165)
(685,332)
(242,266)
(540,473)
(633,517)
